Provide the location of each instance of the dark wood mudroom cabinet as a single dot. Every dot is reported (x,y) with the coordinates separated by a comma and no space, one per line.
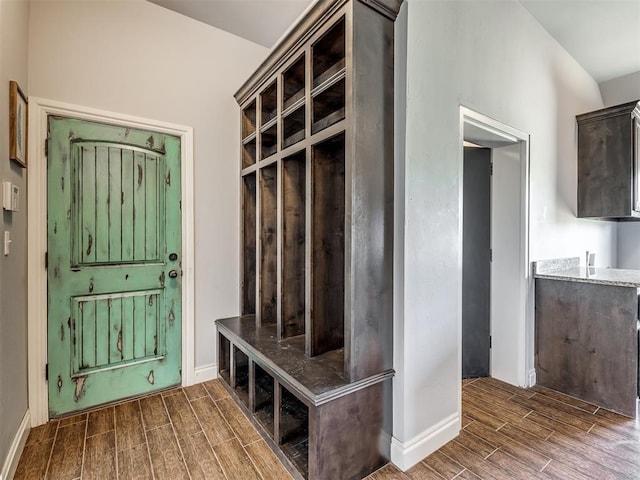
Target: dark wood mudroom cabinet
(608,163)
(310,357)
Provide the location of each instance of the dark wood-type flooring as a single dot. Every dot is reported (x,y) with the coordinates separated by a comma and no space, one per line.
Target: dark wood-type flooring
(199,433)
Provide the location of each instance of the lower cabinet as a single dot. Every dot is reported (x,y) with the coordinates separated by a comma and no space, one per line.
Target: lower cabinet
(342,437)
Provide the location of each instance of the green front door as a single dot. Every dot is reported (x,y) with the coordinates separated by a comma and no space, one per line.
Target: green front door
(114,250)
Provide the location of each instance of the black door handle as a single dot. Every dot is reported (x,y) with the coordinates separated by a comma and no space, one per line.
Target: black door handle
(173,274)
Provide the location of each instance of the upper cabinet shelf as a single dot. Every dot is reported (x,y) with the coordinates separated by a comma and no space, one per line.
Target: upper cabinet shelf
(609,163)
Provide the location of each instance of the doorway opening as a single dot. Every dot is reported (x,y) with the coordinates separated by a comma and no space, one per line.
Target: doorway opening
(494,274)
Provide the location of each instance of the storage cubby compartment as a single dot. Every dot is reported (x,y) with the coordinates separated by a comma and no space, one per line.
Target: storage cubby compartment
(293,83)
(249,152)
(269,103)
(241,369)
(294,430)
(327,237)
(328,106)
(264,398)
(224,358)
(249,244)
(328,54)
(269,139)
(293,127)
(293,243)
(268,244)
(249,120)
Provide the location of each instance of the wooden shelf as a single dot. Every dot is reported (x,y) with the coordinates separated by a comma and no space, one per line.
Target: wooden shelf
(249,120)
(329,53)
(293,80)
(249,218)
(269,103)
(293,127)
(264,399)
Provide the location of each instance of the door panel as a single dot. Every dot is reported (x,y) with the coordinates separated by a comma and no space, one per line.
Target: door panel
(113,219)
(476,262)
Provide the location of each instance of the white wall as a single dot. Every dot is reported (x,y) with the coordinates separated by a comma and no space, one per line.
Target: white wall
(137,58)
(14,22)
(614,92)
(494,58)
(621,90)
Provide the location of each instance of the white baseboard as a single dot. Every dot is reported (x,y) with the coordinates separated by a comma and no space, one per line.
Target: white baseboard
(406,455)
(532,377)
(13,456)
(206,373)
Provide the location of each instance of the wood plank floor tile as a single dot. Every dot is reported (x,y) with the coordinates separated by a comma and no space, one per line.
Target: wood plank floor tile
(560,471)
(235,461)
(134,463)
(421,471)
(577,462)
(63,422)
(514,466)
(215,389)
(443,465)
(242,427)
(66,457)
(517,450)
(34,459)
(467,475)
(508,416)
(201,462)
(266,462)
(388,472)
(481,416)
(101,421)
(561,397)
(154,412)
(166,458)
(493,390)
(557,410)
(466,420)
(505,386)
(100,456)
(483,396)
(476,444)
(43,432)
(213,423)
(195,391)
(182,416)
(129,429)
(473,462)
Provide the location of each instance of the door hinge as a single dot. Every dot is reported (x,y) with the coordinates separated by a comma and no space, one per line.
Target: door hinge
(491,168)
(46,147)
(46,371)
(491,254)
(490,341)
(46,260)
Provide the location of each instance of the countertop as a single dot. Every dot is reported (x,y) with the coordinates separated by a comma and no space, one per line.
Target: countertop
(569,269)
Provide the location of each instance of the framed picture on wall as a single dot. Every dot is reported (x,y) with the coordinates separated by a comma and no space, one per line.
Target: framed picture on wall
(17,124)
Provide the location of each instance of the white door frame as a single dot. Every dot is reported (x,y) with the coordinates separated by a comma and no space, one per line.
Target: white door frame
(39,110)
(524,337)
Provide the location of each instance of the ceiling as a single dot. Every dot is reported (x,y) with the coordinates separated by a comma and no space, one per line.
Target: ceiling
(602,35)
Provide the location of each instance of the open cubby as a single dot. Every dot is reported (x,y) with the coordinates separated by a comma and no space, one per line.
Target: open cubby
(327,237)
(294,430)
(293,242)
(328,106)
(269,141)
(241,369)
(249,244)
(329,53)
(249,120)
(264,398)
(293,127)
(293,80)
(224,358)
(268,244)
(249,152)
(269,103)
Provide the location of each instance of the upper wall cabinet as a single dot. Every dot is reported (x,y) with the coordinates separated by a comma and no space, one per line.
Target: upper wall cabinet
(608,163)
